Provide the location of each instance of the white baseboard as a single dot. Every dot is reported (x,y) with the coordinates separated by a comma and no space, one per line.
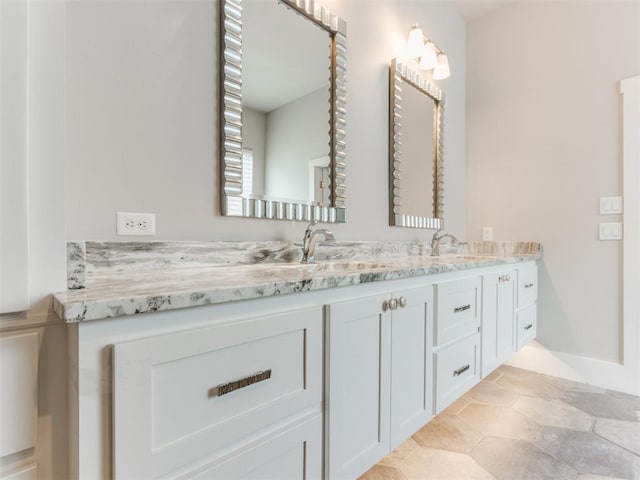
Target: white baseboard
(610,375)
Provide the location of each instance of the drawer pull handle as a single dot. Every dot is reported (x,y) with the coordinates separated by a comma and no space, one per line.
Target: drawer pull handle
(528,326)
(528,285)
(461,370)
(225,388)
(461,309)
(504,278)
(402,302)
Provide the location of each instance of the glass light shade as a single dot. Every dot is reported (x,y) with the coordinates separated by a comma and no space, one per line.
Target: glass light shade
(429,58)
(415,44)
(442,69)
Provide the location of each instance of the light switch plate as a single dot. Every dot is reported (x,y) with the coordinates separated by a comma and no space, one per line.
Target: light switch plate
(610,205)
(611,231)
(487,234)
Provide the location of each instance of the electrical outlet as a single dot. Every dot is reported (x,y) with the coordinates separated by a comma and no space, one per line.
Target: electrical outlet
(487,234)
(128,223)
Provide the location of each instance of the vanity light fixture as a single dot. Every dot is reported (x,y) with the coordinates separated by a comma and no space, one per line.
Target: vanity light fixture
(427,53)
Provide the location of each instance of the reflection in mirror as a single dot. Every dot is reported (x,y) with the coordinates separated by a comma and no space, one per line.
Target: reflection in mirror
(283,113)
(416,110)
(285,99)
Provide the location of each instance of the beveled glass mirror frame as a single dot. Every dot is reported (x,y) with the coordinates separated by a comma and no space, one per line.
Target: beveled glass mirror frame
(400,73)
(233,202)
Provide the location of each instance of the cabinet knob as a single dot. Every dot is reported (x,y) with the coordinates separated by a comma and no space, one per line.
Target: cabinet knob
(385,305)
(402,302)
(393,304)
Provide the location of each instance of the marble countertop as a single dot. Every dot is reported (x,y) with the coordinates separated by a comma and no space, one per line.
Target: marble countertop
(113,294)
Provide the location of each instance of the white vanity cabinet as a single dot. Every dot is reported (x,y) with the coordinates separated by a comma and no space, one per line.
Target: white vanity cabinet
(378,377)
(498,318)
(457,342)
(313,385)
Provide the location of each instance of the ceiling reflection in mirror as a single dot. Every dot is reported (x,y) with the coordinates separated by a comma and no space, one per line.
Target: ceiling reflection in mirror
(416,109)
(282,154)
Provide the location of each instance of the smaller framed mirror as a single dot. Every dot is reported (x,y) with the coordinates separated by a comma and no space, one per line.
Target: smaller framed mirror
(416,175)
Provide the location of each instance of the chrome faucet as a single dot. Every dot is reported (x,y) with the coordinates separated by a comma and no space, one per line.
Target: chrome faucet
(437,237)
(311,238)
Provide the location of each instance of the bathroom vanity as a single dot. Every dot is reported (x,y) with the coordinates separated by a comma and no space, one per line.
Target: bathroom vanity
(281,370)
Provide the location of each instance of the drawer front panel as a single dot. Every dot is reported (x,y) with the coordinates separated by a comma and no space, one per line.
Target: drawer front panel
(527,325)
(456,370)
(18,392)
(294,454)
(527,286)
(457,309)
(182,396)
(204,390)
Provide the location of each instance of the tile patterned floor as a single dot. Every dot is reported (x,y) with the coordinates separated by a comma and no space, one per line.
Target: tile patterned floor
(519,425)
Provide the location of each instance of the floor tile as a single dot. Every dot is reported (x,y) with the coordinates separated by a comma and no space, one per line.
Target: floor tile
(381,472)
(493,376)
(625,434)
(488,392)
(529,386)
(499,421)
(554,413)
(433,464)
(508,459)
(632,399)
(401,452)
(448,432)
(570,385)
(588,476)
(603,405)
(509,371)
(588,453)
(457,406)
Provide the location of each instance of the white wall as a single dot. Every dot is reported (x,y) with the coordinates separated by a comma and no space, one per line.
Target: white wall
(142,117)
(544,143)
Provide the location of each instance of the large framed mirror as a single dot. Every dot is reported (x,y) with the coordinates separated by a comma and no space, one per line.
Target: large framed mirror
(416,175)
(282,110)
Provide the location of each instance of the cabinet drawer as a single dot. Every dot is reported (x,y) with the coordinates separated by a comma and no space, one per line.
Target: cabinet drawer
(457,309)
(294,453)
(527,325)
(182,396)
(527,286)
(456,370)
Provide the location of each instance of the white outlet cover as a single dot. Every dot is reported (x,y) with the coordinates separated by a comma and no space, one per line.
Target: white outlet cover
(610,205)
(610,231)
(135,224)
(487,234)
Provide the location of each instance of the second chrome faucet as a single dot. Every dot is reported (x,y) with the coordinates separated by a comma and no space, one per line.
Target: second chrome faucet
(311,238)
(437,238)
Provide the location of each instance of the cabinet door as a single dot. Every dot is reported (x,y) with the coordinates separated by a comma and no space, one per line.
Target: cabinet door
(498,319)
(411,369)
(358,388)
